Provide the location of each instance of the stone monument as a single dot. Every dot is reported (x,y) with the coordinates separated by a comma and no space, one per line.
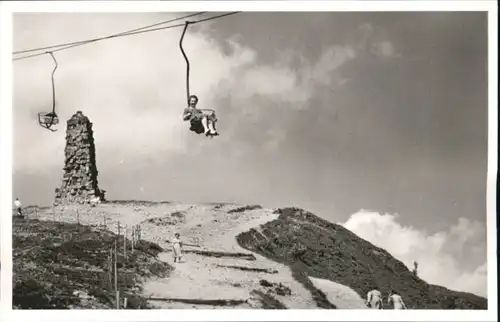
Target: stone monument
(79,183)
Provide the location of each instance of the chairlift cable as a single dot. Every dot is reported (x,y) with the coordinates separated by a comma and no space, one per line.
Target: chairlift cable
(50,119)
(68,46)
(81,42)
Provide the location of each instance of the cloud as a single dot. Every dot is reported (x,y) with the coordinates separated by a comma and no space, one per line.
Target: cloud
(455,258)
(384,48)
(373,40)
(331,60)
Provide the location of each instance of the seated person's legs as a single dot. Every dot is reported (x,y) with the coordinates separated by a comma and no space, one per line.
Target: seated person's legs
(204,122)
(212,120)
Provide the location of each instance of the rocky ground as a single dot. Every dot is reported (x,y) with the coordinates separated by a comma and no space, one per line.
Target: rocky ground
(248,257)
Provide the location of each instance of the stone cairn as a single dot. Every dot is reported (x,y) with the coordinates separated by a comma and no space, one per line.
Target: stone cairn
(79,183)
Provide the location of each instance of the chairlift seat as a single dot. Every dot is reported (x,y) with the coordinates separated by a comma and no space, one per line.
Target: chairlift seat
(48,119)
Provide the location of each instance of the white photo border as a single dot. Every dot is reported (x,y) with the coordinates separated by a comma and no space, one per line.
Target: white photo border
(7,314)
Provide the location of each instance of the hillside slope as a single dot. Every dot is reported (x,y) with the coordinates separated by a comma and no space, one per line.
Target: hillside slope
(64,265)
(250,257)
(313,246)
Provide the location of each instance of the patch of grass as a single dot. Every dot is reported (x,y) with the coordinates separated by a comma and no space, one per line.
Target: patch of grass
(178,214)
(318,295)
(244,208)
(268,301)
(162,221)
(52,260)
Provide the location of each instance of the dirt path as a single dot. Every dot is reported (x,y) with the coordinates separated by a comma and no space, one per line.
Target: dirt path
(340,295)
(201,277)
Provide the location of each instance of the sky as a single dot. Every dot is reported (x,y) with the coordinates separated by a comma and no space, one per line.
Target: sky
(377,121)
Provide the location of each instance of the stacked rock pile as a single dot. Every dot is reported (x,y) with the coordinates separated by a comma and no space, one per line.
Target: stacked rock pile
(79,183)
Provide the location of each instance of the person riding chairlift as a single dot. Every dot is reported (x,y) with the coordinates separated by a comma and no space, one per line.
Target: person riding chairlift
(196,117)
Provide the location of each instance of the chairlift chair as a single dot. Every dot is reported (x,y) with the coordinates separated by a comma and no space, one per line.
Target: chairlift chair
(196,125)
(48,119)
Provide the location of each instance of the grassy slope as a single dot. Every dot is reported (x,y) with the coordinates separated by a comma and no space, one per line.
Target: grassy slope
(315,247)
(51,260)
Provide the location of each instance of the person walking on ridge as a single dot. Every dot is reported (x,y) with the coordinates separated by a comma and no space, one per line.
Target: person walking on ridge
(374,299)
(18,206)
(397,301)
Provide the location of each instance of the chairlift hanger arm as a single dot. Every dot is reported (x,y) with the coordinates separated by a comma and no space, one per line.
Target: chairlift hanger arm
(53,83)
(46,120)
(187,60)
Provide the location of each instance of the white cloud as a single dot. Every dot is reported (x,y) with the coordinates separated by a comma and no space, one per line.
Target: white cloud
(442,256)
(384,48)
(332,59)
(373,40)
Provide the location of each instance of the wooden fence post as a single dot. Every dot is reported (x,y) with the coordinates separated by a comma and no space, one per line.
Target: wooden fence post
(110,267)
(134,238)
(116,277)
(125,242)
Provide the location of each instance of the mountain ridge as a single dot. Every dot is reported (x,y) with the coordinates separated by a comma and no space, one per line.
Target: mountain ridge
(353,261)
(253,257)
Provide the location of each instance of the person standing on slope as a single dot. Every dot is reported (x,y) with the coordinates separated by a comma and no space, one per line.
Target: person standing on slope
(374,299)
(177,247)
(18,206)
(397,301)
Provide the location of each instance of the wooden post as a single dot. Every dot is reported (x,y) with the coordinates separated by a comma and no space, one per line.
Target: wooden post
(104,220)
(77,216)
(116,277)
(133,237)
(125,242)
(110,266)
(125,303)
(118,225)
